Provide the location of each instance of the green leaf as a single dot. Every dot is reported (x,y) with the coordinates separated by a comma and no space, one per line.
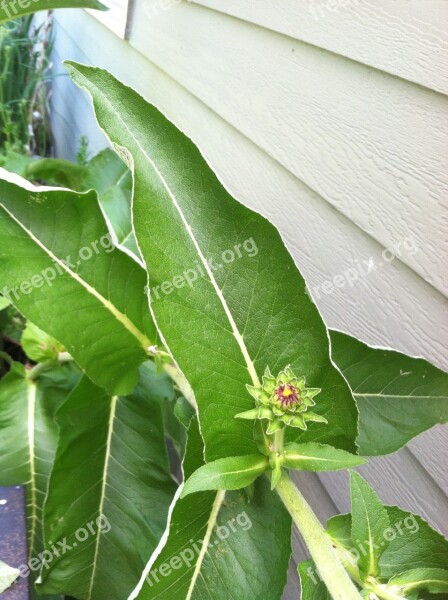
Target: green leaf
(60,270)
(4,303)
(110,479)
(339,528)
(29,437)
(7,576)
(112,179)
(232,473)
(107,174)
(319,457)
(313,588)
(411,542)
(224,290)
(219,547)
(13,10)
(369,522)
(38,345)
(415,545)
(398,396)
(434,581)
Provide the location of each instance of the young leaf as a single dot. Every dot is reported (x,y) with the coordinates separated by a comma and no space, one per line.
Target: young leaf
(398,396)
(224,290)
(319,457)
(110,479)
(313,588)
(369,522)
(434,581)
(231,473)
(7,576)
(12,10)
(38,345)
(29,436)
(219,547)
(61,271)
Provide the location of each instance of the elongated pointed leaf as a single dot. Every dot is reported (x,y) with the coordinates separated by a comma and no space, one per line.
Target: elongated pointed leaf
(219,547)
(224,290)
(13,10)
(369,522)
(319,457)
(61,271)
(231,473)
(28,438)
(110,489)
(313,588)
(434,581)
(398,396)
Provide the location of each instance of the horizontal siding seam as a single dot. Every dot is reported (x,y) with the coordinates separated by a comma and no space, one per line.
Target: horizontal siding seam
(316,46)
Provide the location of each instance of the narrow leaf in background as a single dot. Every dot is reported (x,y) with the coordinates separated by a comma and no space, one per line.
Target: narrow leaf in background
(110,489)
(398,396)
(220,546)
(61,271)
(224,290)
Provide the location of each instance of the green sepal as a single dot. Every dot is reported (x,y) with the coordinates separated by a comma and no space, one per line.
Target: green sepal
(274,426)
(248,414)
(310,416)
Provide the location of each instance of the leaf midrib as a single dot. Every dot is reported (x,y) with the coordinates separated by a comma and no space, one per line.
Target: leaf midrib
(110,431)
(122,318)
(238,336)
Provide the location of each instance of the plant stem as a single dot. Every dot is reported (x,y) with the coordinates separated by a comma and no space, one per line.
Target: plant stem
(40,368)
(181,383)
(319,544)
(279,437)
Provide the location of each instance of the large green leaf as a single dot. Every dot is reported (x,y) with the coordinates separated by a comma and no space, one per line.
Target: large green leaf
(369,522)
(224,290)
(28,438)
(219,547)
(11,10)
(111,471)
(398,396)
(61,271)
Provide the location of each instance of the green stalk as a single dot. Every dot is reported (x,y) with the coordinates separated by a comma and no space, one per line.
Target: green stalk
(318,542)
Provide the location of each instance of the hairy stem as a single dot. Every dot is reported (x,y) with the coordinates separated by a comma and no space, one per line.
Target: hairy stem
(318,542)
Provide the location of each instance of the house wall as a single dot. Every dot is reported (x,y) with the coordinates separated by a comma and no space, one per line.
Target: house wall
(330,118)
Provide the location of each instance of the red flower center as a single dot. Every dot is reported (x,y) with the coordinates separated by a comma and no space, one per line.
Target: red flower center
(287,395)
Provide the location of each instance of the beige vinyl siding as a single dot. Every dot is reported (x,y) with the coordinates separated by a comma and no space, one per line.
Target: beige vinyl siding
(345,158)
